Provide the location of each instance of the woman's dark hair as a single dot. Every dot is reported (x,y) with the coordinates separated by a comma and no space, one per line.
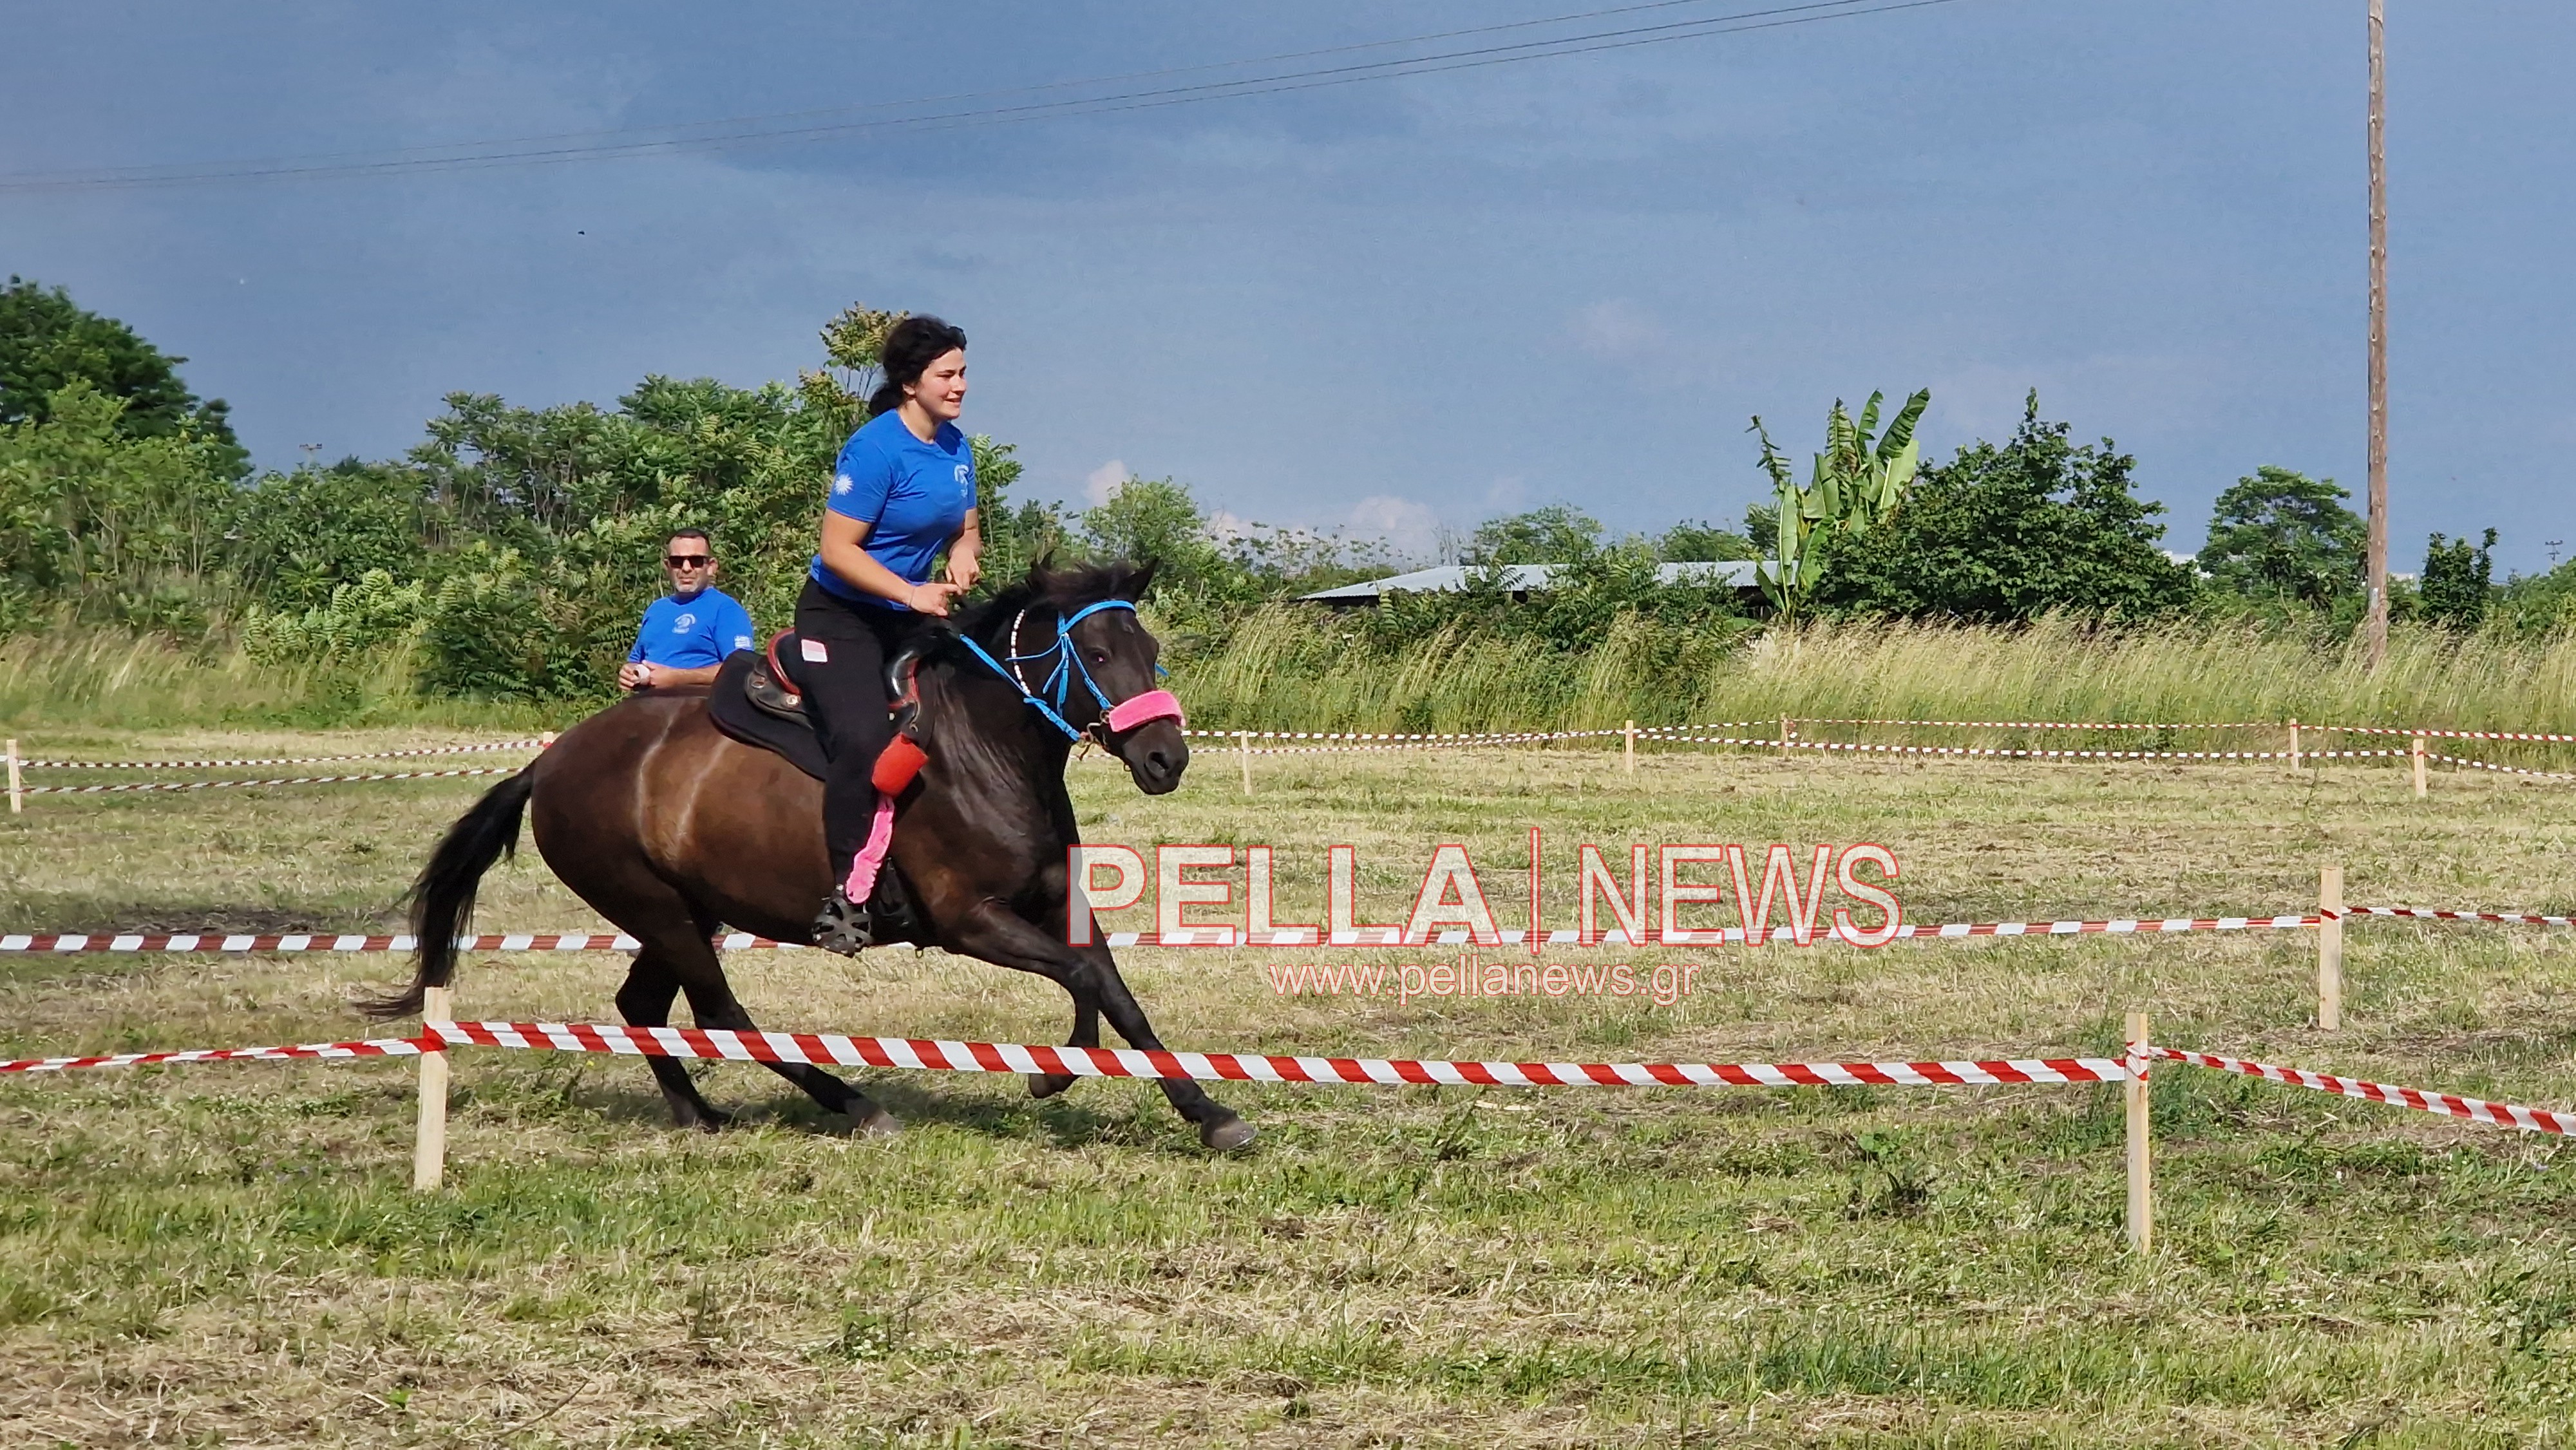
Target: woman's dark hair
(910,346)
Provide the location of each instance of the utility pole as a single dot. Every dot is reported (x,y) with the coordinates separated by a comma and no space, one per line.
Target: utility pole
(2375,627)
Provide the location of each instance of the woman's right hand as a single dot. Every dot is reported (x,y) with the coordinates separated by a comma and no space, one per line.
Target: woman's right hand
(932,599)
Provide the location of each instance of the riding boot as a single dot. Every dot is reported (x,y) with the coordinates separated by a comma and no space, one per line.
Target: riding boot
(842,927)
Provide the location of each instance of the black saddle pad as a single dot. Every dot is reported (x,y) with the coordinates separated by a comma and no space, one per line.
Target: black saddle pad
(735,715)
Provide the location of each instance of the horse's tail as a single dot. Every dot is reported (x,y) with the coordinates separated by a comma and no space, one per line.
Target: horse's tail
(442,900)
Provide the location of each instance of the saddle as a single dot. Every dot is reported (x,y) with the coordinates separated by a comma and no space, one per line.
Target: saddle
(758,700)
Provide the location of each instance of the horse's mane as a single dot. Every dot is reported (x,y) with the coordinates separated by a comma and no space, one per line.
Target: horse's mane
(1060,589)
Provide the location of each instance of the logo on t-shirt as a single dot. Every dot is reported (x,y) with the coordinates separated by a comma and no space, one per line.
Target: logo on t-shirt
(842,484)
(684,624)
(742,641)
(961,473)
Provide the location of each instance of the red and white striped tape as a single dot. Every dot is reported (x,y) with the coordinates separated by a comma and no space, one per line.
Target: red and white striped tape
(1864,748)
(1823,934)
(1465,737)
(379,1047)
(281,760)
(2521,917)
(2476,1110)
(574,941)
(826,1049)
(2441,734)
(2500,769)
(297,780)
(834,1050)
(211,941)
(2048,724)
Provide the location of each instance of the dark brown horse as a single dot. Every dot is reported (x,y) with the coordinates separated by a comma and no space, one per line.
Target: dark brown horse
(674,830)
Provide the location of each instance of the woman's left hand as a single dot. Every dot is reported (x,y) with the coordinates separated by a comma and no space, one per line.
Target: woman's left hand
(964,569)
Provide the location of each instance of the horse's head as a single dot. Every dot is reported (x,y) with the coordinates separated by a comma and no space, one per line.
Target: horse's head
(1071,637)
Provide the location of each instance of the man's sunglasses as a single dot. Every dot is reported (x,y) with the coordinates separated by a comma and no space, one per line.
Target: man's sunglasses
(688,561)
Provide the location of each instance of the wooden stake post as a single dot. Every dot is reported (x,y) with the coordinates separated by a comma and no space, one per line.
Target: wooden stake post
(1243,751)
(2294,745)
(17,791)
(2142,1199)
(2418,753)
(1785,732)
(429,1144)
(2330,949)
(1631,733)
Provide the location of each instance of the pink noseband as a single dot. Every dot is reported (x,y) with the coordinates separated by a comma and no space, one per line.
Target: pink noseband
(1126,715)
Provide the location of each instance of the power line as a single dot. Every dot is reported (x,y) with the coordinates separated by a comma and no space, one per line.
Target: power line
(154,171)
(765,130)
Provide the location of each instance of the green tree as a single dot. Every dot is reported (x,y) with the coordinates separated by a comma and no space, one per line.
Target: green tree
(1015,535)
(1157,519)
(1692,541)
(1857,482)
(48,342)
(854,344)
(2280,534)
(2457,581)
(1556,534)
(297,537)
(2010,533)
(114,526)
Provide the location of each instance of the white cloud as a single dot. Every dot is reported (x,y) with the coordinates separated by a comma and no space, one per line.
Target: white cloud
(1617,331)
(1101,483)
(1408,526)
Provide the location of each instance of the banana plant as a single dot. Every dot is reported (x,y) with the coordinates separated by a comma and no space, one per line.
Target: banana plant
(1856,482)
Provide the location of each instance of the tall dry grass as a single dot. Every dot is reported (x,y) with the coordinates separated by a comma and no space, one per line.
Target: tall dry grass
(1296,669)
(95,677)
(1288,668)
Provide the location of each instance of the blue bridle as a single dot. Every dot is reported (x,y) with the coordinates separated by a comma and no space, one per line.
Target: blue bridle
(1068,666)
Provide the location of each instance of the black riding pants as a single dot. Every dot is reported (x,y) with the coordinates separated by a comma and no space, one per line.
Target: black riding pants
(845,694)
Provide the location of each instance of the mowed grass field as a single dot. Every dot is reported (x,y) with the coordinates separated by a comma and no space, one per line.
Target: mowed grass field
(229,1253)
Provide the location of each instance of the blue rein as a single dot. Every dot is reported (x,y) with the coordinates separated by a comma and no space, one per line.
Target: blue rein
(1068,667)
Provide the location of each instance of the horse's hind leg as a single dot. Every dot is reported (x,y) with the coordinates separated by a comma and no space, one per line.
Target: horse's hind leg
(645,1001)
(713,1004)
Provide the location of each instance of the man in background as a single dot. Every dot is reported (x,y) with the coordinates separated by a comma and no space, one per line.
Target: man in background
(688,632)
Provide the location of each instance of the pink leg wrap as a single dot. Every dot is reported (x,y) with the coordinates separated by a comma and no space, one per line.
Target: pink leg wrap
(871,857)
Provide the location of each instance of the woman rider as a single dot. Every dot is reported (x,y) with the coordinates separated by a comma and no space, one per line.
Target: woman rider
(902,492)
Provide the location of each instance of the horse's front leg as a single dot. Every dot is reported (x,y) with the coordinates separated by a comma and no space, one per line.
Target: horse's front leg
(1086,1033)
(998,935)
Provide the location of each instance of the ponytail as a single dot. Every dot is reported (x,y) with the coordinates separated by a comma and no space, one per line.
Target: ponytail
(887,398)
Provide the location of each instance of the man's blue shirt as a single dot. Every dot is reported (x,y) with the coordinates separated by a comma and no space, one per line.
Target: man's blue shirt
(913,496)
(691,632)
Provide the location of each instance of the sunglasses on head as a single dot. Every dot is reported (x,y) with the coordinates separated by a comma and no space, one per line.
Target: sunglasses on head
(688,561)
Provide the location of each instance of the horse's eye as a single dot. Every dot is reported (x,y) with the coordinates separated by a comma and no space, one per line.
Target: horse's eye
(1100,657)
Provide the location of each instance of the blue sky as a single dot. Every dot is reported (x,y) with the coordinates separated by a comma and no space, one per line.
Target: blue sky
(1398,306)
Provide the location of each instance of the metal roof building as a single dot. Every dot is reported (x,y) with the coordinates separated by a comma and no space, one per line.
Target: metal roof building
(1523,580)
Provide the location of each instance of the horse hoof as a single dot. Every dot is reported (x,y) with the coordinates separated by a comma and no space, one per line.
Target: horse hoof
(1226,1134)
(1047,1085)
(708,1121)
(876,1123)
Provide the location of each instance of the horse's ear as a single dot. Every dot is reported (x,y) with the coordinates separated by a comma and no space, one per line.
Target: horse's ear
(1042,575)
(1140,580)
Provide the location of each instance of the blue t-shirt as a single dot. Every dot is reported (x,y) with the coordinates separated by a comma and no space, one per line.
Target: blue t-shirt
(688,633)
(913,496)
